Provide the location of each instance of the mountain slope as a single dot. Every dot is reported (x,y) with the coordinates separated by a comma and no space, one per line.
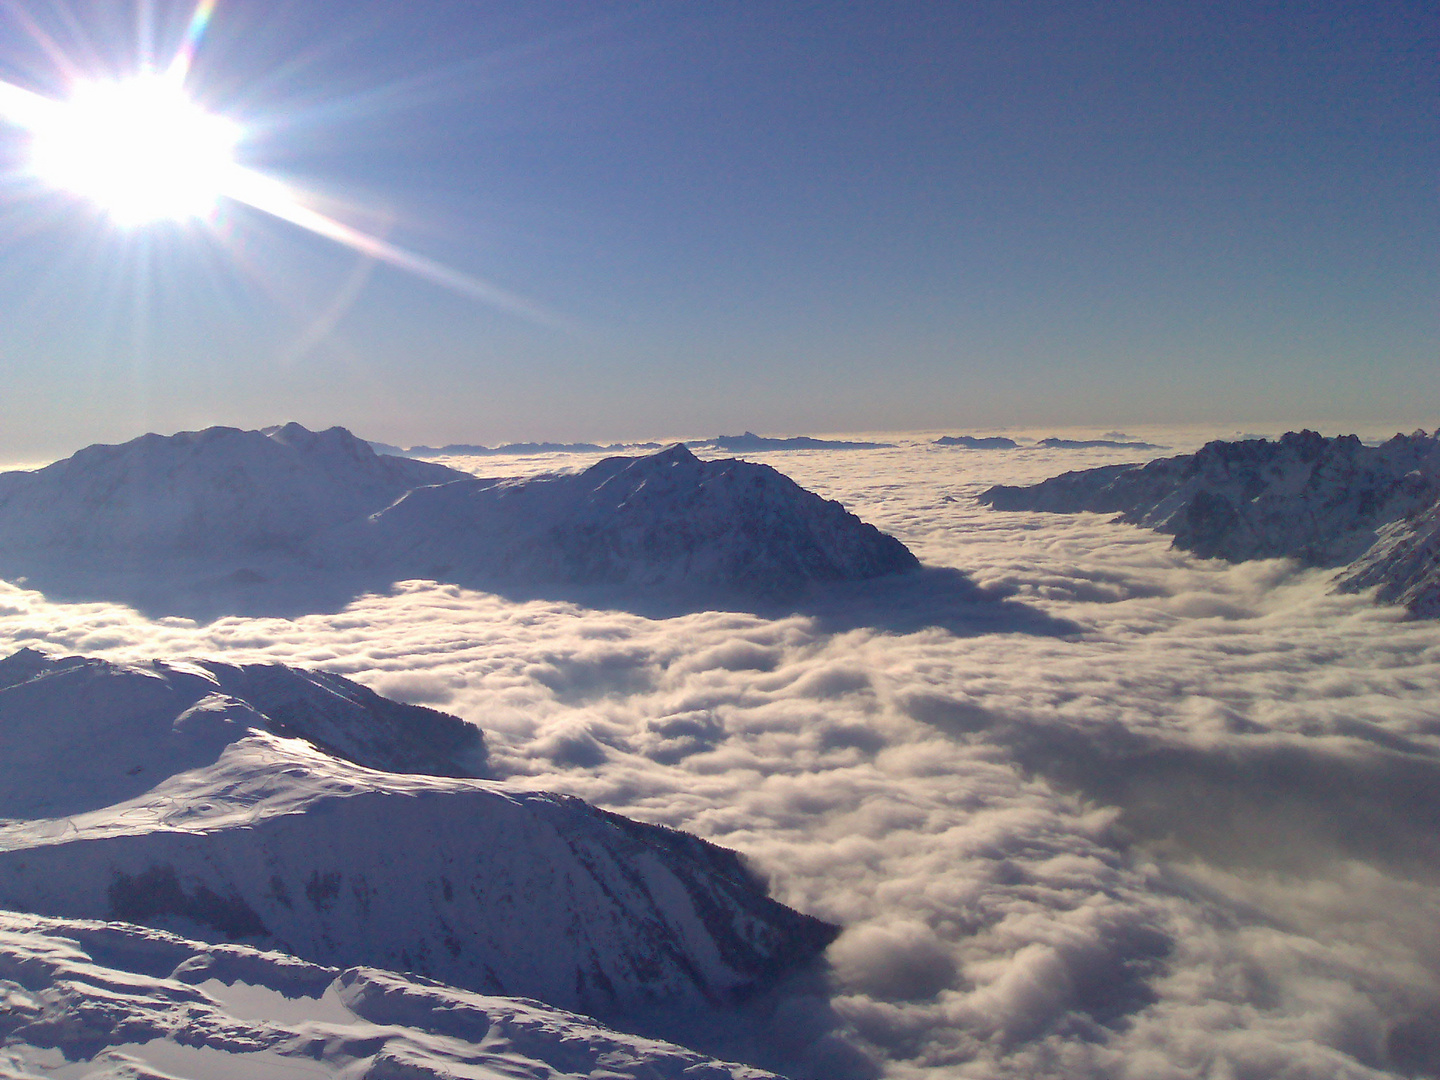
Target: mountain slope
(1325,502)
(77,734)
(206,494)
(187,810)
(1404,562)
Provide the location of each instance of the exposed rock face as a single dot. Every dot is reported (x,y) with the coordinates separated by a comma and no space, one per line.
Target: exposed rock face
(1326,502)
(1404,562)
(167,795)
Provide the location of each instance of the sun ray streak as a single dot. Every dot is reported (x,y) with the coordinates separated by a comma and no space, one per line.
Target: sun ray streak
(57,56)
(274,197)
(25,108)
(116,143)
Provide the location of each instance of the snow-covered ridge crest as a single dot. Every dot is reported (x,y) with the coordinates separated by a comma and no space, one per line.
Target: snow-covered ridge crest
(100,732)
(222,520)
(1327,502)
(209,492)
(164,795)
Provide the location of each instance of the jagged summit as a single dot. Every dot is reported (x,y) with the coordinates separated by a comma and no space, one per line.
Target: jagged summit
(676,455)
(1324,501)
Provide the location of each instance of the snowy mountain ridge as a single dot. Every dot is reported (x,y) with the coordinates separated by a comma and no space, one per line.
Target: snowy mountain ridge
(131,794)
(1326,502)
(220,490)
(210,520)
(84,719)
(668,521)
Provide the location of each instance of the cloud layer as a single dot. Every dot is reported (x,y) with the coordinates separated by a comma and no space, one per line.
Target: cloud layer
(1192,834)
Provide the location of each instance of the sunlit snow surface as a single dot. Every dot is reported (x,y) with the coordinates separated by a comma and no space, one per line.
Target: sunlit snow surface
(1196,837)
(86,1001)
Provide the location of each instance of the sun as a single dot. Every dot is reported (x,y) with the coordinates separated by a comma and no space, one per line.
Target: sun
(143,150)
(139,148)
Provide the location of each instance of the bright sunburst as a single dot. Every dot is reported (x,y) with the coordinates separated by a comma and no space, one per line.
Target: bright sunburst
(140,149)
(144,151)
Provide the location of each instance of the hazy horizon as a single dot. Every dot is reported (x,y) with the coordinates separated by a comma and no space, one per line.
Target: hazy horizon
(621,219)
(1171,435)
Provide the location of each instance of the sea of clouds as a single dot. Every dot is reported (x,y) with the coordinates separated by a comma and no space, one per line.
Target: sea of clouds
(1154,817)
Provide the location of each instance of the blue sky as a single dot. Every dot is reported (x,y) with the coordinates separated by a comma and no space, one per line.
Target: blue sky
(780,216)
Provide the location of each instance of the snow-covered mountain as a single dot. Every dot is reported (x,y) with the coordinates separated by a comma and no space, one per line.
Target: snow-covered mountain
(209,494)
(668,521)
(78,734)
(128,1001)
(1324,501)
(167,795)
(209,521)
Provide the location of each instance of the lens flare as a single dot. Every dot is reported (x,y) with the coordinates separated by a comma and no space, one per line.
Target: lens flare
(140,149)
(144,151)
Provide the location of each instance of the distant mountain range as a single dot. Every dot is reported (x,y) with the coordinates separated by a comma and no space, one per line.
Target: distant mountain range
(509,449)
(999,442)
(749,442)
(1054,443)
(1330,502)
(227,803)
(169,521)
(973,442)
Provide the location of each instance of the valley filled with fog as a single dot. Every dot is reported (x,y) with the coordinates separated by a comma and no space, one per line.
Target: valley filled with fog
(1121,812)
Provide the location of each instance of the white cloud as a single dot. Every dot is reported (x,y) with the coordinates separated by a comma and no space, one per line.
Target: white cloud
(1185,840)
